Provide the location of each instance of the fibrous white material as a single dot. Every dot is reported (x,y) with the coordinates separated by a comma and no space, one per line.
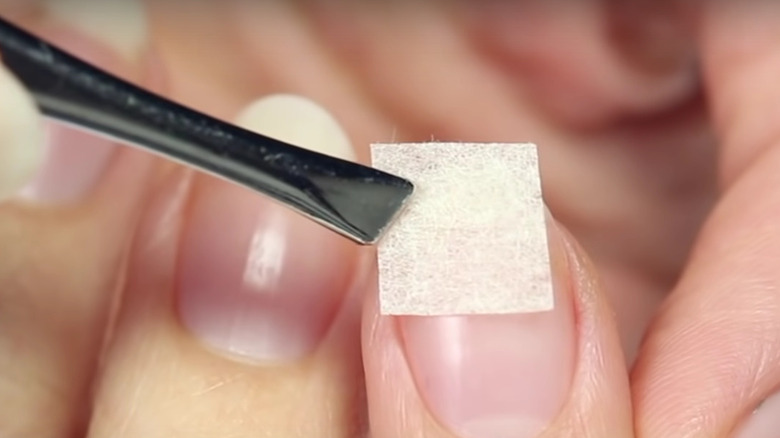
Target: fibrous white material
(473,238)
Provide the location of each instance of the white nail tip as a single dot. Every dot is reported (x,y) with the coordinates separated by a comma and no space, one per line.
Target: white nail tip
(299,121)
(473,239)
(764,422)
(122,24)
(21,136)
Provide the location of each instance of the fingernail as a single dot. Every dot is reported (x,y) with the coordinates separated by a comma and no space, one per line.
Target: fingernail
(74,162)
(764,421)
(112,35)
(121,25)
(21,142)
(497,376)
(15,9)
(651,37)
(256,280)
(651,34)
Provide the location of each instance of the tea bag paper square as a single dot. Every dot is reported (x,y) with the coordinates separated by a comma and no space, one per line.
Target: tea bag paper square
(472,239)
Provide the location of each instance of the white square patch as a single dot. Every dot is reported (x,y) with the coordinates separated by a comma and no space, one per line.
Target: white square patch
(472,239)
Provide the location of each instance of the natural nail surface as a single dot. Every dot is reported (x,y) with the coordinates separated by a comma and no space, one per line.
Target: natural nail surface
(764,422)
(496,376)
(74,162)
(257,280)
(21,141)
(111,35)
(119,24)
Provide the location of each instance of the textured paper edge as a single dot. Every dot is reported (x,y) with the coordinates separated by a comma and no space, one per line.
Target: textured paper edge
(421,290)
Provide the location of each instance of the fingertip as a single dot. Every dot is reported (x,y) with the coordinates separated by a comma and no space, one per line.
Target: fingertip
(113,36)
(255,279)
(121,25)
(600,387)
(21,136)
(495,376)
(299,121)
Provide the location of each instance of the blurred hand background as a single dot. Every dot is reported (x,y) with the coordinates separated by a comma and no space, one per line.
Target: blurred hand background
(138,298)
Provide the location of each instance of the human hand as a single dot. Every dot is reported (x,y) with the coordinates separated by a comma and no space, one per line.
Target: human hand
(236,318)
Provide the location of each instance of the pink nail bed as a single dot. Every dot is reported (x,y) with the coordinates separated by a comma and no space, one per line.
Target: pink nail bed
(75,161)
(256,280)
(496,376)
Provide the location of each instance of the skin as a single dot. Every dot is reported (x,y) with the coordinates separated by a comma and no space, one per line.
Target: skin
(671,265)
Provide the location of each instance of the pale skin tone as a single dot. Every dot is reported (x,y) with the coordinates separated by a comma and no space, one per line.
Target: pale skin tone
(666,181)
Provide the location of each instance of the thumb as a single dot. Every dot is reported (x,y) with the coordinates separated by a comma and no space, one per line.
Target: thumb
(710,358)
(555,374)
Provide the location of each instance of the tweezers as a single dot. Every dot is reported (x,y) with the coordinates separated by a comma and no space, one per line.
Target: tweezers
(356,201)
